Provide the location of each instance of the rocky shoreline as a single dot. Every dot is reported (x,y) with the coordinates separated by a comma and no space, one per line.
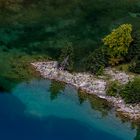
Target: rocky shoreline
(92,84)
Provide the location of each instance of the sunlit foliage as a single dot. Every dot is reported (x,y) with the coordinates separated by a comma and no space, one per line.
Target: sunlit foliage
(118,42)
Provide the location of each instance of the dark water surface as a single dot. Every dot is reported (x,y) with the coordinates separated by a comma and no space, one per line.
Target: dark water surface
(30,113)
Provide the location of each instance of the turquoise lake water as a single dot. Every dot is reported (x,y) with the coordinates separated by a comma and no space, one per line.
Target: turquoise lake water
(30,113)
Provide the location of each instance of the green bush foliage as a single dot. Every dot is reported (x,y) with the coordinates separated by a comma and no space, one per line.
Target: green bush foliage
(133,56)
(97,60)
(113,88)
(135,65)
(131,92)
(134,49)
(67,52)
(12,5)
(118,42)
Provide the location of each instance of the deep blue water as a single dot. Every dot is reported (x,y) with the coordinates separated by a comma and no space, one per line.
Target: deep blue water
(29,113)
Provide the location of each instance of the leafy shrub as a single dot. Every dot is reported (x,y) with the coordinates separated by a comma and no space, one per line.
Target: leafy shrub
(123,67)
(133,55)
(115,60)
(100,71)
(134,49)
(12,5)
(131,92)
(97,60)
(135,65)
(118,42)
(67,53)
(113,88)
(20,67)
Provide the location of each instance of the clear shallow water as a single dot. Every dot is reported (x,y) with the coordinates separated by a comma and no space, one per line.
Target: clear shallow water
(30,112)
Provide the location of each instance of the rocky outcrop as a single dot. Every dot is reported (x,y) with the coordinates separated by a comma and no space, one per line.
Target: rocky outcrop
(121,77)
(91,84)
(83,81)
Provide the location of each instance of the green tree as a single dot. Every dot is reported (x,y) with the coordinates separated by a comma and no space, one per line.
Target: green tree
(135,65)
(134,49)
(97,60)
(118,42)
(113,88)
(133,56)
(66,58)
(12,5)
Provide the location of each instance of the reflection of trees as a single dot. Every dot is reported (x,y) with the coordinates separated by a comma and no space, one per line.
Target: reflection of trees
(95,102)
(138,134)
(6,84)
(55,89)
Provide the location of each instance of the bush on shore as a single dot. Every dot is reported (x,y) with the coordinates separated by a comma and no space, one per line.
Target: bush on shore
(134,49)
(131,92)
(97,60)
(135,65)
(66,59)
(113,88)
(118,42)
